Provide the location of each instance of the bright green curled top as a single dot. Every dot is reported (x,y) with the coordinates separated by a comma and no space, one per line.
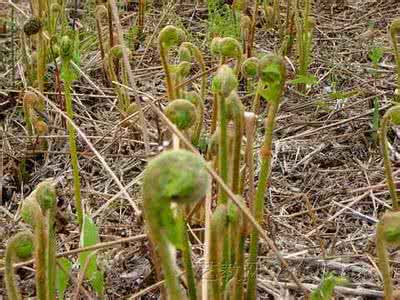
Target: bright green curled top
(173,177)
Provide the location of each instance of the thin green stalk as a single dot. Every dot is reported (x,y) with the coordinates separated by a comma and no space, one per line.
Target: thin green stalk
(394,30)
(168,77)
(19,247)
(387,234)
(217,229)
(252,32)
(273,74)
(169,36)
(195,51)
(100,13)
(51,253)
(237,115)
(250,127)
(187,183)
(168,264)
(223,147)
(187,259)
(257,97)
(73,152)
(32,214)
(266,154)
(386,120)
(383,257)
(214,116)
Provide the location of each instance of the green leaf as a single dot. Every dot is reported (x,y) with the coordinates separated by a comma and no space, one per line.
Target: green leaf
(62,276)
(90,237)
(67,73)
(375,54)
(327,287)
(271,73)
(308,79)
(270,93)
(97,282)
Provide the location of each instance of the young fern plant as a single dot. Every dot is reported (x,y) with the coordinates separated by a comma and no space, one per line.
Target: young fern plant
(387,235)
(19,248)
(183,114)
(190,50)
(101,12)
(250,72)
(272,72)
(218,226)
(38,210)
(223,84)
(224,48)
(195,98)
(172,180)
(67,75)
(304,28)
(169,37)
(392,115)
(113,57)
(33,28)
(30,102)
(394,31)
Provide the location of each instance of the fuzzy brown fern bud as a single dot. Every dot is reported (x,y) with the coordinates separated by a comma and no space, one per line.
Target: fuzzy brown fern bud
(46,195)
(30,99)
(41,127)
(101,12)
(32,26)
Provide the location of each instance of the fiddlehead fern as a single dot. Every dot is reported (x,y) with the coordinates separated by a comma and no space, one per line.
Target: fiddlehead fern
(101,12)
(174,178)
(194,98)
(387,234)
(170,36)
(272,72)
(19,247)
(32,214)
(391,116)
(113,56)
(32,26)
(223,84)
(67,74)
(182,113)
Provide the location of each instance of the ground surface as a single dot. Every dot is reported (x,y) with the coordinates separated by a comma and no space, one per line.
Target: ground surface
(325,155)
